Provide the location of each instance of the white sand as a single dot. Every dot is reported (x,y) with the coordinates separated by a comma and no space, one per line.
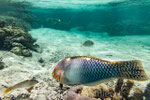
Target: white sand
(58,44)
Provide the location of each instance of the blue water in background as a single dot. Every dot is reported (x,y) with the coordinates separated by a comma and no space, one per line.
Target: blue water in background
(121,18)
(116,17)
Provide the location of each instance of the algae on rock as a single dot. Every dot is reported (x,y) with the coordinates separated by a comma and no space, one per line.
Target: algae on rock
(16,22)
(16,40)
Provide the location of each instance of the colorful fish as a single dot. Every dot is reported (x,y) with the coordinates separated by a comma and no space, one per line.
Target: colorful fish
(24,84)
(89,70)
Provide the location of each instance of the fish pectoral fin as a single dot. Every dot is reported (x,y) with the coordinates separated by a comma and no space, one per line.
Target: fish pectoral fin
(30,88)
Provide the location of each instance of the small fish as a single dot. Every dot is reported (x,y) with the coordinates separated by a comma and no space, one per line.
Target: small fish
(89,70)
(24,84)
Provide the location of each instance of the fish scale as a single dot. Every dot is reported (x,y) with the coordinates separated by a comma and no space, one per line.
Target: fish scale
(97,67)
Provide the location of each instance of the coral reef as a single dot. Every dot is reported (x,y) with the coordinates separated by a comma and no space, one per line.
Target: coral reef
(147,92)
(99,91)
(16,40)
(119,84)
(126,88)
(88,43)
(8,20)
(73,94)
(121,91)
(138,95)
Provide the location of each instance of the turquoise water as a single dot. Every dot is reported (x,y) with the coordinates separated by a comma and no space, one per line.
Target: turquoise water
(118,29)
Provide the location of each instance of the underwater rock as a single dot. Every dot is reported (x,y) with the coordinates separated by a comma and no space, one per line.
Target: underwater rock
(26,53)
(16,50)
(138,95)
(126,88)
(15,44)
(21,52)
(118,85)
(17,41)
(116,96)
(88,43)
(18,22)
(103,92)
(2,35)
(41,60)
(2,23)
(73,94)
(2,64)
(147,92)
(99,91)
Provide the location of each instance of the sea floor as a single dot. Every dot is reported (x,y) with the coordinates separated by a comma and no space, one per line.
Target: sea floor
(57,45)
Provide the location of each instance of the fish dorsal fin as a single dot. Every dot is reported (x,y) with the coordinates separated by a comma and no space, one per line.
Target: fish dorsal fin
(76,57)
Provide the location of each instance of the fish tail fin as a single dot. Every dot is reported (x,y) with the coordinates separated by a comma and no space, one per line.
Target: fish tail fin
(7,90)
(132,70)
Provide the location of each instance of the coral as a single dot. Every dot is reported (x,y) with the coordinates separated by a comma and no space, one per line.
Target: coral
(15,21)
(118,85)
(126,88)
(98,91)
(72,94)
(138,95)
(16,40)
(2,24)
(147,92)
(26,16)
(102,92)
(88,43)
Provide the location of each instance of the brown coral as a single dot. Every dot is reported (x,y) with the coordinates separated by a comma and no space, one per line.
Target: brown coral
(126,88)
(98,91)
(118,85)
(103,92)
(17,41)
(147,92)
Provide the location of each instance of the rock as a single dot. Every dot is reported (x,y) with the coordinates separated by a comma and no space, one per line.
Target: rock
(18,22)
(88,43)
(126,88)
(14,44)
(138,95)
(147,92)
(41,60)
(16,50)
(2,24)
(118,85)
(99,91)
(73,94)
(2,37)
(26,53)
(2,64)
(17,41)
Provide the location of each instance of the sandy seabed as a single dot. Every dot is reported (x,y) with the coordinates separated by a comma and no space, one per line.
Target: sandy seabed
(57,45)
